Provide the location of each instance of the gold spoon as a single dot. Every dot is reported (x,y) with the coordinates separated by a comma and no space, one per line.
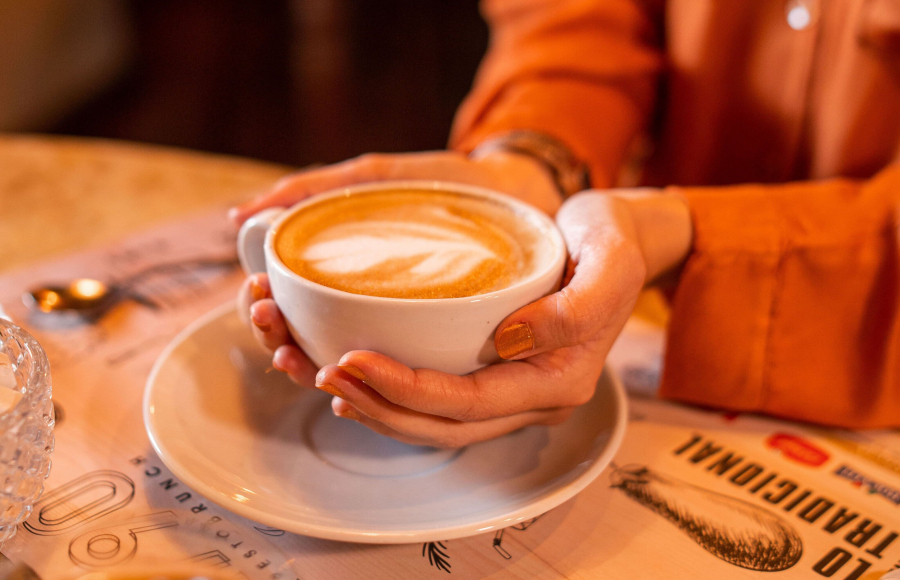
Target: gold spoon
(87,298)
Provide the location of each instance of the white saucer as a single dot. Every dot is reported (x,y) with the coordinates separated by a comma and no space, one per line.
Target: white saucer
(258,445)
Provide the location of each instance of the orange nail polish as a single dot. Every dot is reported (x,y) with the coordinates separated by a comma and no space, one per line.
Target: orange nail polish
(331,390)
(350,414)
(352,370)
(257,292)
(514,340)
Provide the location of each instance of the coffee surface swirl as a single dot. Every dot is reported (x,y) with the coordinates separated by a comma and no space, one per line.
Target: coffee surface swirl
(410,244)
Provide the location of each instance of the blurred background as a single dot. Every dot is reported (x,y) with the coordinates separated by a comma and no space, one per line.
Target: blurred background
(290,81)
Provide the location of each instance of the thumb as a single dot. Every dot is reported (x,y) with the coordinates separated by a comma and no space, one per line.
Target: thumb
(607,272)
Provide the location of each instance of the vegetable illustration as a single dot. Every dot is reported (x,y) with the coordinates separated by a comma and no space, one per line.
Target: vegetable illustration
(736,531)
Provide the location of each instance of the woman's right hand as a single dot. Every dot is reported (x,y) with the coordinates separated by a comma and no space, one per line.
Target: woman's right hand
(617,241)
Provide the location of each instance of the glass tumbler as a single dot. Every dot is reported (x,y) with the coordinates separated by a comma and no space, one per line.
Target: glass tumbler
(26,428)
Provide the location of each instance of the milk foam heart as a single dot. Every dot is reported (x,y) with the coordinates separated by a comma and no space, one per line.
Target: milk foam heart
(410,244)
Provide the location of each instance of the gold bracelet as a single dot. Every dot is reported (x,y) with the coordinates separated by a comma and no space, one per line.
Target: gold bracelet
(569,173)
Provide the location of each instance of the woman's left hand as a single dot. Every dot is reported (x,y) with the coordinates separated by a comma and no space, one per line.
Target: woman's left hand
(554,348)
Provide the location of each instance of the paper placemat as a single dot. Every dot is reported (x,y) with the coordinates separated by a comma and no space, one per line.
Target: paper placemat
(693,493)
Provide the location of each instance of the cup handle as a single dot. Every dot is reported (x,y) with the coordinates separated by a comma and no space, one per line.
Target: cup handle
(252,237)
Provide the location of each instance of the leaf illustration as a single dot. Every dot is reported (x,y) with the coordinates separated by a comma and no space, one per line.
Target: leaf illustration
(734,530)
(437,555)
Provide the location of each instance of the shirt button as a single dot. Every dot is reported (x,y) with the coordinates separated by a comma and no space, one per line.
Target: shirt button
(801,14)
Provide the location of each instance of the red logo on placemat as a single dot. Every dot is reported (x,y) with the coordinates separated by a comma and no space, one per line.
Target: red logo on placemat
(798,449)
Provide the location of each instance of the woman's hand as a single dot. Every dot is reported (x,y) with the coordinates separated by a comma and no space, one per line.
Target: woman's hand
(514,174)
(555,347)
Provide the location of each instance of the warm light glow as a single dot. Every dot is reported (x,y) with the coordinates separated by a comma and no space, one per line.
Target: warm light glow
(48,300)
(87,288)
(240,498)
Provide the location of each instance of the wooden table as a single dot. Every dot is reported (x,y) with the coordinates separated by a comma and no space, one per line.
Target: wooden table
(59,195)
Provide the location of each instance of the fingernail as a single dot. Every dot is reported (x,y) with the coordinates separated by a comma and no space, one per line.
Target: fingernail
(331,390)
(257,292)
(350,413)
(281,360)
(514,340)
(352,370)
(263,326)
(277,363)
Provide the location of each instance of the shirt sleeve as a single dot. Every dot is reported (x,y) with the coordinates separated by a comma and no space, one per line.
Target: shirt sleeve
(583,71)
(789,303)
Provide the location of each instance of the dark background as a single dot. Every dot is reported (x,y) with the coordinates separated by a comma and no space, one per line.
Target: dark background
(291,81)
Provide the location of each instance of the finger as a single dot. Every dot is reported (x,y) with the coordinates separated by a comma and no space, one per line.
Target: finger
(268,324)
(292,361)
(254,288)
(421,429)
(298,186)
(345,410)
(560,379)
(606,274)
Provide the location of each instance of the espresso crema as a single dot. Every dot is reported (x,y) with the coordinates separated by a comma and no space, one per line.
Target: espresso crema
(411,244)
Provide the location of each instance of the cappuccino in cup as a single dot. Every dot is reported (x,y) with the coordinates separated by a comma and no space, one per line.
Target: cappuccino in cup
(421,271)
(411,244)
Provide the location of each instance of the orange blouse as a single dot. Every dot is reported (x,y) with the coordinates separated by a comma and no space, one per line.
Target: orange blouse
(789,303)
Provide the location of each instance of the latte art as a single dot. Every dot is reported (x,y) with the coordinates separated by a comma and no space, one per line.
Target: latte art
(408,244)
(359,246)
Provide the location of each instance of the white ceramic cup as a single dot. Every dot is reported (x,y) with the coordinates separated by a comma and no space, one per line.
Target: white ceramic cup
(454,335)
